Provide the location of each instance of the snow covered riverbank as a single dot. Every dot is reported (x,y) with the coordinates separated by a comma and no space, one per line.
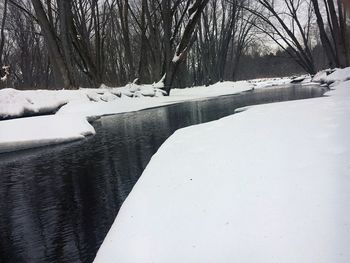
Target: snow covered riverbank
(269,184)
(23,133)
(39,131)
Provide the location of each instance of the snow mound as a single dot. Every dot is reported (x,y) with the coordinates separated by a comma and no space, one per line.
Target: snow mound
(39,131)
(107,94)
(269,82)
(14,103)
(45,101)
(338,75)
(320,76)
(134,90)
(329,76)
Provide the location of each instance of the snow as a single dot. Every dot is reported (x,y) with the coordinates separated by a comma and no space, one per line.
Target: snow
(13,103)
(329,76)
(176,58)
(262,83)
(322,75)
(39,131)
(339,75)
(269,184)
(160,83)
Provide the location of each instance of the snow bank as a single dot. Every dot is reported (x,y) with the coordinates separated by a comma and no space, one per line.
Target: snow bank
(217,89)
(329,76)
(270,82)
(270,184)
(320,76)
(145,100)
(14,103)
(39,131)
(338,75)
(88,109)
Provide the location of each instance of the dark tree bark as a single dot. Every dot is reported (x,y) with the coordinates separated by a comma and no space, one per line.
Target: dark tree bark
(66,22)
(2,40)
(336,45)
(90,52)
(326,43)
(226,36)
(143,72)
(61,71)
(123,6)
(185,43)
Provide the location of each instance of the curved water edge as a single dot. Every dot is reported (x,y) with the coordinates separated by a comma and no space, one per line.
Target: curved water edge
(59,202)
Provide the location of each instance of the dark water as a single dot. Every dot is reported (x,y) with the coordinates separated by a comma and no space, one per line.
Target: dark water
(57,203)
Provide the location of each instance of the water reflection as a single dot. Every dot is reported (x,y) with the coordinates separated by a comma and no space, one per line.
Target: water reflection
(58,203)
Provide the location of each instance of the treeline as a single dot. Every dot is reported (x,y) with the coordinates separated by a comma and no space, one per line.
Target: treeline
(84,43)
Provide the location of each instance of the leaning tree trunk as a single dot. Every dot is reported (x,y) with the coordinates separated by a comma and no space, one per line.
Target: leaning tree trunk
(185,44)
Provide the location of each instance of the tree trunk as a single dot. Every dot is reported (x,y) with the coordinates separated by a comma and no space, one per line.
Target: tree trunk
(2,41)
(330,53)
(143,72)
(185,44)
(66,20)
(60,69)
(123,12)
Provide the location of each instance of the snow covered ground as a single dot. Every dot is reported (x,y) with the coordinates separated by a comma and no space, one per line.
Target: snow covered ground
(23,133)
(269,184)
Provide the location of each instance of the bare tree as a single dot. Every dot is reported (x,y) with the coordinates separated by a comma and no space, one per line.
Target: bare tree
(283,27)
